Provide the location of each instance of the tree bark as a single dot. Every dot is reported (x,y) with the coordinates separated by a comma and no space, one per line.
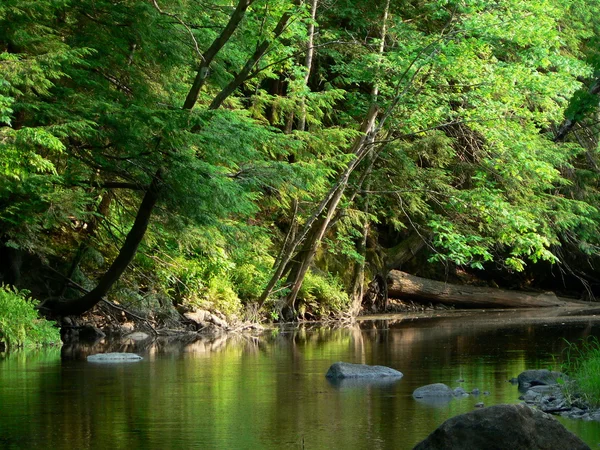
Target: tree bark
(308,62)
(213,50)
(140,225)
(125,256)
(359,269)
(260,51)
(568,124)
(329,203)
(410,287)
(392,258)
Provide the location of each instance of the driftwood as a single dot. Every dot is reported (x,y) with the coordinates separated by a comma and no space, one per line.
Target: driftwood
(404,286)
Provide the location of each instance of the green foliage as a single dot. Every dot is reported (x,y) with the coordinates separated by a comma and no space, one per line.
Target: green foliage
(322,294)
(582,365)
(20,324)
(91,95)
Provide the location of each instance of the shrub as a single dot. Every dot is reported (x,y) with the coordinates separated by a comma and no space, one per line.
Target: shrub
(582,364)
(323,294)
(20,324)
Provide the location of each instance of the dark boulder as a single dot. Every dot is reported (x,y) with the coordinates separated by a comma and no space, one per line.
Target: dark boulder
(340,370)
(538,378)
(514,427)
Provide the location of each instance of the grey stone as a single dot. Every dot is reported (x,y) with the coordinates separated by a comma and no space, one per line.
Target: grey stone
(479,405)
(340,370)
(137,336)
(541,377)
(475,392)
(433,390)
(500,427)
(531,396)
(460,392)
(114,357)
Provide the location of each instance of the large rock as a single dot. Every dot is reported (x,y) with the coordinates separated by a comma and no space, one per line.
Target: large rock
(514,427)
(433,390)
(538,378)
(341,370)
(114,357)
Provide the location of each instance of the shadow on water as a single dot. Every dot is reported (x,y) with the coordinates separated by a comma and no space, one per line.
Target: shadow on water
(236,391)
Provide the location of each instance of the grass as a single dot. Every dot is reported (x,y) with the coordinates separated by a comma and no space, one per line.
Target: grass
(20,324)
(582,365)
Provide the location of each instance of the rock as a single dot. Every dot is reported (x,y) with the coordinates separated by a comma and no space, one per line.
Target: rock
(459,392)
(433,390)
(137,336)
(486,392)
(531,396)
(475,392)
(66,322)
(515,427)
(460,380)
(127,327)
(114,357)
(218,321)
(197,317)
(538,378)
(340,370)
(479,405)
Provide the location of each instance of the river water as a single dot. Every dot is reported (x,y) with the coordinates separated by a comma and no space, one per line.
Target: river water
(270,392)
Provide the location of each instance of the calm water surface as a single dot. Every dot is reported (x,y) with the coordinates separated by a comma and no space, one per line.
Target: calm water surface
(270,392)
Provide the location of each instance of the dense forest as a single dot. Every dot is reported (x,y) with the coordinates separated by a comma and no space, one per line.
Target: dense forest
(277,158)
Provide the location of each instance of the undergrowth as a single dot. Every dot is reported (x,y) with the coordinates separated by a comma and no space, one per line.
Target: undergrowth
(20,324)
(582,365)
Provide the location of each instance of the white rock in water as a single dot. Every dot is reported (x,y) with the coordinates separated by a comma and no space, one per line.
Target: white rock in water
(114,357)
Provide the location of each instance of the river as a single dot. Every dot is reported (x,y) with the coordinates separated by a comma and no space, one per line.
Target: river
(270,392)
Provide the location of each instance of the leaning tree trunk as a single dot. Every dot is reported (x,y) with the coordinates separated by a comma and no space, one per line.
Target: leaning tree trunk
(125,256)
(138,230)
(568,124)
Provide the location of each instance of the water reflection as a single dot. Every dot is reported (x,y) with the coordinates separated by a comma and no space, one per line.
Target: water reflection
(270,391)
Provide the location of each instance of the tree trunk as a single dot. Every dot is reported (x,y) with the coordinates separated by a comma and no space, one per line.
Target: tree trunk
(393,258)
(359,270)
(92,226)
(309,59)
(213,50)
(405,286)
(140,225)
(125,256)
(568,124)
(251,62)
(314,222)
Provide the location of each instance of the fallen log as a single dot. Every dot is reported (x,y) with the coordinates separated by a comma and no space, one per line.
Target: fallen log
(404,286)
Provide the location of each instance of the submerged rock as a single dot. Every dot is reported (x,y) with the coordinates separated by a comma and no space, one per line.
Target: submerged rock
(433,390)
(341,370)
(515,427)
(538,378)
(460,392)
(114,357)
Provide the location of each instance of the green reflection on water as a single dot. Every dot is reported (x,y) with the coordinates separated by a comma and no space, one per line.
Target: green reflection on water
(242,392)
